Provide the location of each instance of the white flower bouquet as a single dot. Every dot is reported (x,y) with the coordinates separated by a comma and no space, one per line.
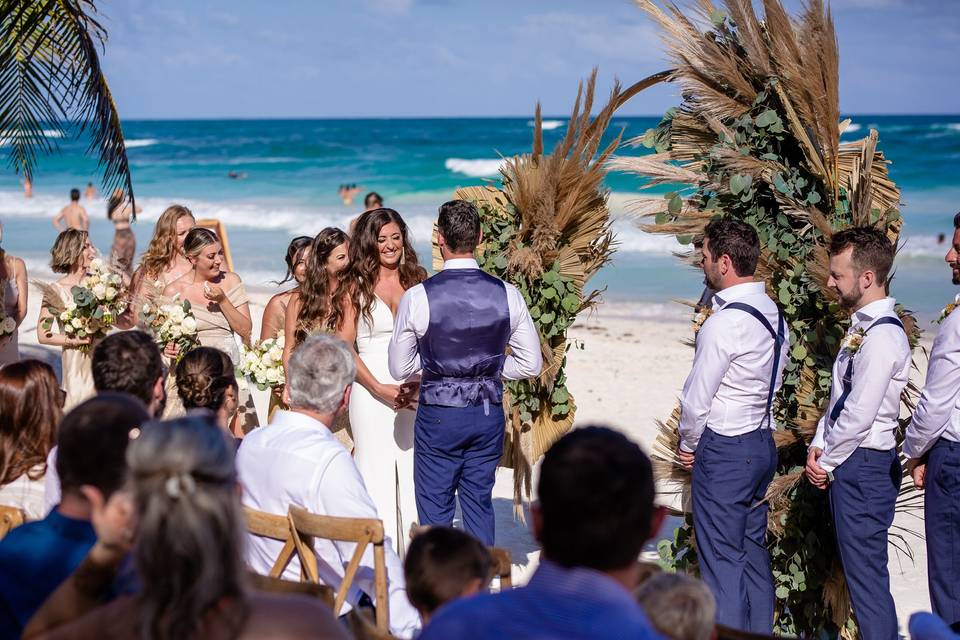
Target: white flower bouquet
(173,322)
(8,326)
(262,364)
(97,304)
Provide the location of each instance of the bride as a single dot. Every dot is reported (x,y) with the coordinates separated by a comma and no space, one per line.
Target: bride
(219,303)
(71,255)
(383,265)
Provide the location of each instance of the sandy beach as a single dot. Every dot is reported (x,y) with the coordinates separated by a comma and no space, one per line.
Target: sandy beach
(625,372)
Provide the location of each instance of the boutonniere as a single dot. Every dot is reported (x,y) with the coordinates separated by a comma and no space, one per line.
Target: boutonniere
(853,341)
(947,310)
(701,317)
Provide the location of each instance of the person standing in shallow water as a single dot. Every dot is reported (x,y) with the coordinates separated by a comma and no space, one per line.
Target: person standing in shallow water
(121,213)
(72,216)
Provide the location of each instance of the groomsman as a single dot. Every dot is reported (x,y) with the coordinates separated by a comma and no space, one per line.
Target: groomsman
(726,427)
(456,326)
(853,454)
(933,446)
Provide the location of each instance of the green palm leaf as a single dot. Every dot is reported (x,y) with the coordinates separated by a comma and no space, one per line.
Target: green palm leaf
(52,84)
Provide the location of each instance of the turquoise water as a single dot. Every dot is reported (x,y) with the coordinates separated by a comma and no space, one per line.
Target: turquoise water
(292,169)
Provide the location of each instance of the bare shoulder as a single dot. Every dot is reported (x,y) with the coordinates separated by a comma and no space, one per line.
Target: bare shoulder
(291,616)
(230,279)
(173,288)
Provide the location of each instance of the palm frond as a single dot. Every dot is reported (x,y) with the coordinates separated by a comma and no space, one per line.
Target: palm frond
(50,75)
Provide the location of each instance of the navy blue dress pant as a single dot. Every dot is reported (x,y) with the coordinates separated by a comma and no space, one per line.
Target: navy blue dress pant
(730,478)
(455,453)
(942,524)
(863,496)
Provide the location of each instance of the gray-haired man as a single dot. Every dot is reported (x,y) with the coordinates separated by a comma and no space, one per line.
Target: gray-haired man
(295,460)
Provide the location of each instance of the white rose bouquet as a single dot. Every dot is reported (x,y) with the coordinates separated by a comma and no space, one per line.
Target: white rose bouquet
(97,304)
(263,363)
(8,326)
(173,322)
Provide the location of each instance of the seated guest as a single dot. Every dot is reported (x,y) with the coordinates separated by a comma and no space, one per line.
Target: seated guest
(297,461)
(183,502)
(38,556)
(678,606)
(205,380)
(442,565)
(594,513)
(124,362)
(30,410)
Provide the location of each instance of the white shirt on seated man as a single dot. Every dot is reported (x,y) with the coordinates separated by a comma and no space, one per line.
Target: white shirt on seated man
(295,460)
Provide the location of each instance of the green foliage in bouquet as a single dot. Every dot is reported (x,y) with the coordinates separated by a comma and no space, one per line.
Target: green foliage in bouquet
(757,137)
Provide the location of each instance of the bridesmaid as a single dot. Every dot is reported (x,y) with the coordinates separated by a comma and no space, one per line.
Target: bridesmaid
(274,313)
(164,261)
(71,255)
(124,246)
(13,301)
(383,265)
(220,304)
(310,305)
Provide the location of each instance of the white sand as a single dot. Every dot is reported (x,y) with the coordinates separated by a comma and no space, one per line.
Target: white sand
(628,374)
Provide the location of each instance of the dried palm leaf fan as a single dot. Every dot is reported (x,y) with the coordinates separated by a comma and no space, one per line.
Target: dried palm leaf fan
(757,137)
(547,231)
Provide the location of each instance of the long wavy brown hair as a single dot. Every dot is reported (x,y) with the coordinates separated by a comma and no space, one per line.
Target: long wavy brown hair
(30,410)
(357,285)
(315,292)
(163,245)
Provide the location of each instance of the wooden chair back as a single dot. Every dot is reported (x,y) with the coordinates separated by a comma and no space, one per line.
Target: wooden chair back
(10,518)
(503,566)
(268,525)
(276,585)
(362,531)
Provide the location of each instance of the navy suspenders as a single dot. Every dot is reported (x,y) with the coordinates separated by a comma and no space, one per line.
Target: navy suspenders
(847,382)
(778,339)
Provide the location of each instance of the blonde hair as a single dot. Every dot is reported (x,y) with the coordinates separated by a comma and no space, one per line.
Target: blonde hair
(678,606)
(66,250)
(163,245)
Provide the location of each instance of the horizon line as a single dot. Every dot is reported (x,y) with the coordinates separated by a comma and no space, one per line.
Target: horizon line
(470,117)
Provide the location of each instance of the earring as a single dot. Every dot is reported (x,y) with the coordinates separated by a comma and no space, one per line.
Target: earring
(403,256)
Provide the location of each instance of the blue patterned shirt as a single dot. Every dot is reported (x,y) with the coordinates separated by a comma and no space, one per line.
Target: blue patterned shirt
(557,603)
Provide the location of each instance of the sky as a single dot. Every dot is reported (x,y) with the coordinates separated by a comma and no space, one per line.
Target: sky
(177,59)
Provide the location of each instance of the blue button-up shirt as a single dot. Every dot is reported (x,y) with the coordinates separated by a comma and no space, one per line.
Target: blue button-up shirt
(557,603)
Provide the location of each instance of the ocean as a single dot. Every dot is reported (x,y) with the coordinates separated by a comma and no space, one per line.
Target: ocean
(291,170)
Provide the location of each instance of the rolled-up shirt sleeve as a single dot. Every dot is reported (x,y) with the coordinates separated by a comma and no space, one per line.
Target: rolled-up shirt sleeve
(711,360)
(413,317)
(940,392)
(875,366)
(525,359)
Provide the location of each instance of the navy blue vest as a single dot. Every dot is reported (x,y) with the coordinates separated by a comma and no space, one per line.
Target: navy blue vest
(463,350)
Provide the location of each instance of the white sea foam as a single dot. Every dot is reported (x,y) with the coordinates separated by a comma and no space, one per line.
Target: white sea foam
(548,125)
(142,142)
(853,126)
(481,168)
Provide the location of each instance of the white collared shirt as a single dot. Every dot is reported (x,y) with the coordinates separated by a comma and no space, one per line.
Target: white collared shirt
(938,411)
(297,461)
(413,320)
(881,369)
(728,384)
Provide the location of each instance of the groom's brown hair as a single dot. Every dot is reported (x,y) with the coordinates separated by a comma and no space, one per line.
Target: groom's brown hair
(459,224)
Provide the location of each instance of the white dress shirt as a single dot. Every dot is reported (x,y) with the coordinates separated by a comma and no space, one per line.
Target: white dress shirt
(938,411)
(413,320)
(728,384)
(881,368)
(297,461)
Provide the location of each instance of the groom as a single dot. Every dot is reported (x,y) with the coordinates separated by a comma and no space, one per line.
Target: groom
(456,327)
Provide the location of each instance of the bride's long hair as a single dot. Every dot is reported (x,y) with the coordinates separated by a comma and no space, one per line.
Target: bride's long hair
(315,290)
(358,283)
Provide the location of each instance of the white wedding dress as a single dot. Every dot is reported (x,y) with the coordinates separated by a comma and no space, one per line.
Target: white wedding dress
(383,438)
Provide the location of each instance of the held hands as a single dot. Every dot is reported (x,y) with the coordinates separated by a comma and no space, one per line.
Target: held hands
(917,469)
(815,474)
(402,396)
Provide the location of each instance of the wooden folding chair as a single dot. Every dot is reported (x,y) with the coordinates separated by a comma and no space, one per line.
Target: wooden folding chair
(276,585)
(503,566)
(362,531)
(268,525)
(10,518)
